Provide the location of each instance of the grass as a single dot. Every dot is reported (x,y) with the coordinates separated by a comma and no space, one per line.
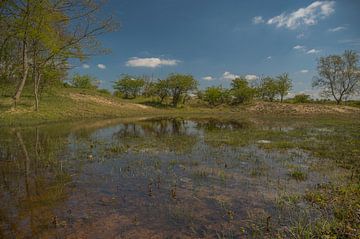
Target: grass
(298,175)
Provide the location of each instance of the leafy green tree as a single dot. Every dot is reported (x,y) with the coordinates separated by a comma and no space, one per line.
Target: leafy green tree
(339,75)
(129,86)
(47,33)
(214,95)
(241,91)
(284,85)
(85,82)
(162,89)
(301,98)
(268,89)
(179,85)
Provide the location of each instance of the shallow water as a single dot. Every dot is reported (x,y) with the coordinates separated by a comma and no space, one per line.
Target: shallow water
(158,178)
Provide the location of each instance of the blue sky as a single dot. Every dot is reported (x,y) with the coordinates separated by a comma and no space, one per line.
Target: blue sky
(218,40)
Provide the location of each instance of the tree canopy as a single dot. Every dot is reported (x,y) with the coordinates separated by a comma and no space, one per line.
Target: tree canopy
(338,75)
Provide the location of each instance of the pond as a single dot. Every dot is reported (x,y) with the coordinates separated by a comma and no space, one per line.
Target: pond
(159,178)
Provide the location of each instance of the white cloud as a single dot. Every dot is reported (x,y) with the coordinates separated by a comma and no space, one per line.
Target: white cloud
(312,51)
(269,57)
(299,47)
(307,16)
(207,78)
(337,29)
(85,66)
(304,71)
(258,20)
(251,77)
(101,66)
(229,76)
(151,62)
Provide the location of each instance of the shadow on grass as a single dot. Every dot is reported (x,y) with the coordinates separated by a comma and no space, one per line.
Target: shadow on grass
(157,104)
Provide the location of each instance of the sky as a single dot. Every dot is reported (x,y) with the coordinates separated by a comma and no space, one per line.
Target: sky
(216,41)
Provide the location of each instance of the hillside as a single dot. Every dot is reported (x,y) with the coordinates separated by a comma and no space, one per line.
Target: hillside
(69,104)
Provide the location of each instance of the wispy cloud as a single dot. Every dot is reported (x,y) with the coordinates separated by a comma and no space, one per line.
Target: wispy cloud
(101,66)
(208,78)
(85,66)
(251,77)
(305,50)
(336,29)
(269,58)
(151,62)
(307,16)
(299,47)
(258,20)
(304,71)
(312,51)
(229,76)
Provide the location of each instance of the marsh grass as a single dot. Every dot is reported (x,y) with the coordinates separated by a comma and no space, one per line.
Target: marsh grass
(298,175)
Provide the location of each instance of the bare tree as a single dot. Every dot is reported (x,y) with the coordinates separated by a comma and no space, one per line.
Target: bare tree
(339,75)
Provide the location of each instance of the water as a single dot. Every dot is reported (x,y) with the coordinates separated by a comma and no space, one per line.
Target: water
(158,178)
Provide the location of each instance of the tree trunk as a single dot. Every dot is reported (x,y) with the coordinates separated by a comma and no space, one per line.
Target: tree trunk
(281,98)
(36,90)
(20,88)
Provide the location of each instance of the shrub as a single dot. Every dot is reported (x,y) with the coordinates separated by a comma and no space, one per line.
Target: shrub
(85,82)
(301,98)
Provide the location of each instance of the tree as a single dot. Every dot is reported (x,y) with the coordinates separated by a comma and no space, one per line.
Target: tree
(284,85)
(301,98)
(161,89)
(268,89)
(46,34)
(129,86)
(339,75)
(179,85)
(214,95)
(241,91)
(85,82)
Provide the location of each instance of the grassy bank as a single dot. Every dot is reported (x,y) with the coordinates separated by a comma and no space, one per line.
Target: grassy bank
(70,104)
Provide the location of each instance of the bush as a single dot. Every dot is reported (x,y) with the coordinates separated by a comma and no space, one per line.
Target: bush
(104,91)
(85,82)
(301,98)
(118,94)
(214,95)
(241,92)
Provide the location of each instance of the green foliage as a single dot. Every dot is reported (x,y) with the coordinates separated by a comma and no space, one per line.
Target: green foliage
(161,89)
(241,91)
(284,85)
(268,89)
(104,91)
(85,82)
(214,95)
(129,86)
(179,85)
(301,98)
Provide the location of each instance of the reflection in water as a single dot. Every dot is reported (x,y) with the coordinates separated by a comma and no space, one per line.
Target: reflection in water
(141,179)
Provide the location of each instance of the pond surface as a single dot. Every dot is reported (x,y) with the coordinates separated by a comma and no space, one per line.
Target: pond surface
(154,178)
